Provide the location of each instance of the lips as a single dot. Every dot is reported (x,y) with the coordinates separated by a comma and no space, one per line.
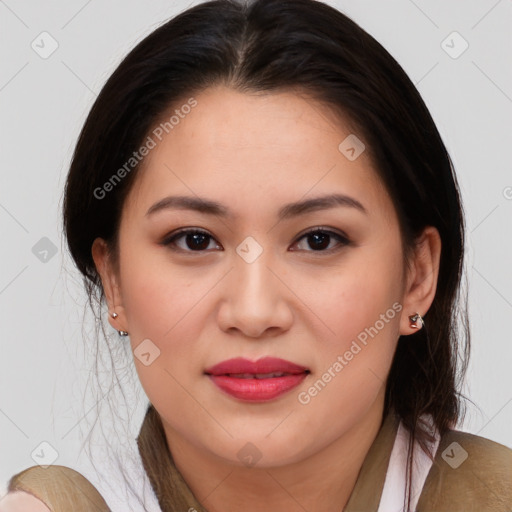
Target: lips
(256,381)
(266,365)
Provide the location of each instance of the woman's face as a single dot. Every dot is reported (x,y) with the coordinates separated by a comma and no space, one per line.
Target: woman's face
(255,285)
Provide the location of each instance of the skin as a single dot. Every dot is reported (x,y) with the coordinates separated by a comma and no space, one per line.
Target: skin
(21,501)
(255,153)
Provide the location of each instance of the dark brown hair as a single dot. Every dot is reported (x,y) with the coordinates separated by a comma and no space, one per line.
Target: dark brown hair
(310,48)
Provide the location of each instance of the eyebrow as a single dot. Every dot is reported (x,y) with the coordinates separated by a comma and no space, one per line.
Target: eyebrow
(288,211)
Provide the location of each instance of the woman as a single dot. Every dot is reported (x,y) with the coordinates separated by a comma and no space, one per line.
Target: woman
(266,209)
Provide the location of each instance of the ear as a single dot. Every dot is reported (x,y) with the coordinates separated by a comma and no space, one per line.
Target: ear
(421,282)
(109,280)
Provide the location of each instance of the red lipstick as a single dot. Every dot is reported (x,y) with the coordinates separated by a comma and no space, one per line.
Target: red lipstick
(256,381)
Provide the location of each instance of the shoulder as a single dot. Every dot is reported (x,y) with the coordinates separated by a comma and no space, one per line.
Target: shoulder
(478,455)
(469,472)
(58,487)
(17,501)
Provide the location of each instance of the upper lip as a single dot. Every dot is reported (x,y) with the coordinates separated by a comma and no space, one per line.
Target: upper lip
(263,365)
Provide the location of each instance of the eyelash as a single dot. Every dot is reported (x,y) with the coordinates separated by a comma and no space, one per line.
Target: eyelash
(170,240)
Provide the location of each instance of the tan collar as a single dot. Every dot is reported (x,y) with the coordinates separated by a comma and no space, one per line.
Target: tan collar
(369,485)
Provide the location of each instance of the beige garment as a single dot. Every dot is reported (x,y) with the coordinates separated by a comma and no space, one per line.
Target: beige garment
(470,473)
(482,482)
(60,488)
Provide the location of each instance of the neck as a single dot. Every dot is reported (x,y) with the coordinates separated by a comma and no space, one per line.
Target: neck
(322,482)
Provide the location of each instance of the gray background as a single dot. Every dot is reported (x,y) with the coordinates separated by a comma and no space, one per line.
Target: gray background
(43,366)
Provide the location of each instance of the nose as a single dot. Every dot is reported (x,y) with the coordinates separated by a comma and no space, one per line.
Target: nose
(255,299)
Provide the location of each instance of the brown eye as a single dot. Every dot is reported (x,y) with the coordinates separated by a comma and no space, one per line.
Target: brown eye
(319,240)
(194,240)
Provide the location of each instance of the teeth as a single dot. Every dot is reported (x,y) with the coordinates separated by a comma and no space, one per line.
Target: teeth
(257,375)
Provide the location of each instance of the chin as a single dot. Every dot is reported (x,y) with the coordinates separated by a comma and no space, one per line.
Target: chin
(260,451)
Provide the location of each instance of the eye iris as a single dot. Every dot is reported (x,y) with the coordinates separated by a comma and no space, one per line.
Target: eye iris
(198,238)
(321,240)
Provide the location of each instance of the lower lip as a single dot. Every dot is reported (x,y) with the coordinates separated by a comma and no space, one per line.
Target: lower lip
(257,390)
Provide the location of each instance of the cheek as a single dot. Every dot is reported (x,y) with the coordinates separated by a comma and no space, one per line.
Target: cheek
(358,295)
(168,305)
(157,296)
(363,310)
(165,309)
(361,306)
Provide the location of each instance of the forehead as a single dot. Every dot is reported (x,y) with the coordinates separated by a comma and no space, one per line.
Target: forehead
(251,149)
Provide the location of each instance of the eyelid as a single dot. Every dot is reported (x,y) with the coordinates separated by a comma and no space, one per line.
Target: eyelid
(342,238)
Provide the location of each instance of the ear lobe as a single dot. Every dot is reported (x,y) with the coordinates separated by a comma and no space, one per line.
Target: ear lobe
(109,281)
(422,278)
